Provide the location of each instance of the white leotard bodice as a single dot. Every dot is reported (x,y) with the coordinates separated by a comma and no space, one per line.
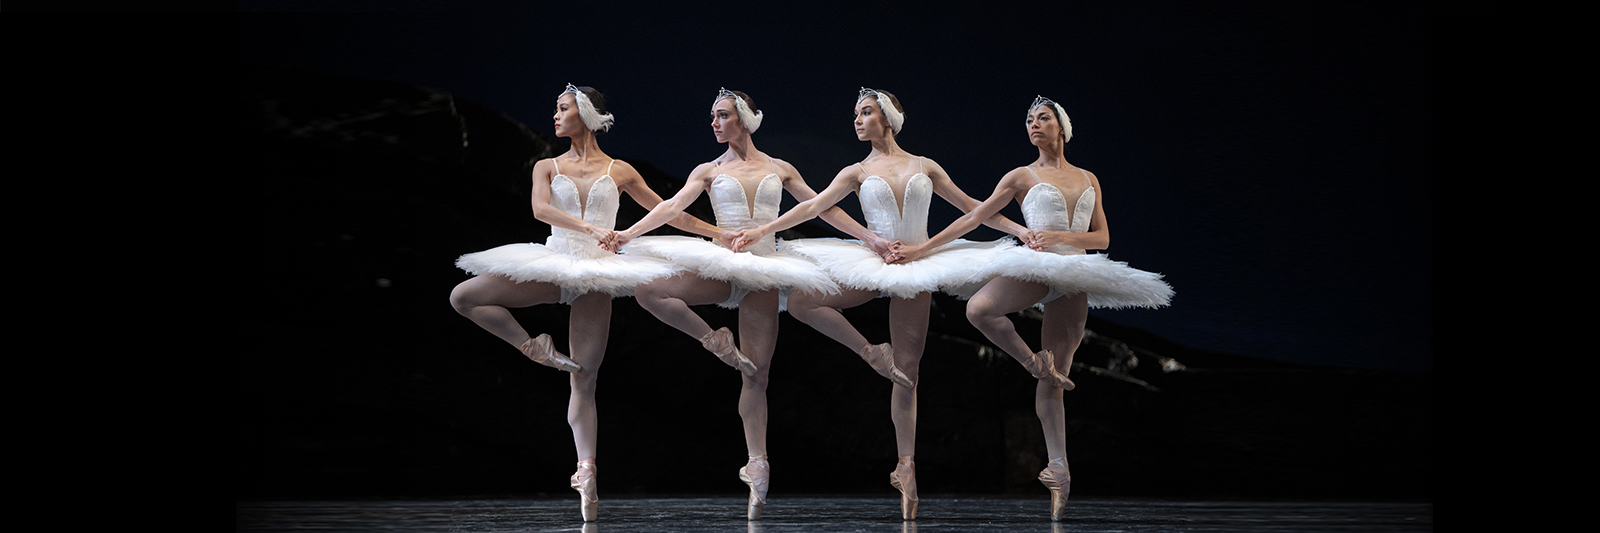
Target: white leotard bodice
(1045,208)
(887,217)
(735,211)
(601,210)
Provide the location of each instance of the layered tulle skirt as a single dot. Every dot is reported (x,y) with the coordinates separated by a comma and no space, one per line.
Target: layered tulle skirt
(951,268)
(613,274)
(1109,284)
(745,271)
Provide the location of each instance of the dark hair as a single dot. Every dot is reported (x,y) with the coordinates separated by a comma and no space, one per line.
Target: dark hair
(748,101)
(893,100)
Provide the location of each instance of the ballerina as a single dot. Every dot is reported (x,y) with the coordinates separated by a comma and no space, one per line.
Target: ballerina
(576,193)
(895,188)
(745,186)
(1064,206)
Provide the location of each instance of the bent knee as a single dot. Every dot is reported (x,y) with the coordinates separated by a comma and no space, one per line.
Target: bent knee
(460,298)
(979,312)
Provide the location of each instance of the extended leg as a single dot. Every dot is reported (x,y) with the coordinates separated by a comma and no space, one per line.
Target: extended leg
(908,333)
(588,330)
(758,338)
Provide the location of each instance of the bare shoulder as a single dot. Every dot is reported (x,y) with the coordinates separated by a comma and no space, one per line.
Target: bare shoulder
(1093,179)
(621,171)
(704,171)
(1018,177)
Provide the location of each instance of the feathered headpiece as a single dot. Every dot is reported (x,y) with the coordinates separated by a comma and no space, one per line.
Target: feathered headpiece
(751,121)
(896,118)
(591,118)
(1061,116)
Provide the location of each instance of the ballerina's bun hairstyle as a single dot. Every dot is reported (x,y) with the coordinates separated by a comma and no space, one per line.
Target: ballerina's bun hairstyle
(591,108)
(894,112)
(749,114)
(1061,116)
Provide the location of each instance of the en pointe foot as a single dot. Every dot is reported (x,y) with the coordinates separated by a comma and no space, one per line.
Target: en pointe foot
(755,474)
(588,492)
(1043,368)
(904,479)
(541,351)
(720,343)
(1058,479)
(881,358)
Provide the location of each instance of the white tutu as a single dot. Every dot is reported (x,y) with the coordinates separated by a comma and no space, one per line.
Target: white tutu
(612,274)
(952,268)
(1110,284)
(747,270)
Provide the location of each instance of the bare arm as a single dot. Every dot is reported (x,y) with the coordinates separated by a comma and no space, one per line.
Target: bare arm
(834,216)
(843,184)
(1097,238)
(668,211)
(543,171)
(947,189)
(1005,191)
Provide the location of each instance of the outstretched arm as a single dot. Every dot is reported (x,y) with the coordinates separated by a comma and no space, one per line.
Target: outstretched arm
(843,184)
(834,216)
(668,211)
(1004,192)
(947,189)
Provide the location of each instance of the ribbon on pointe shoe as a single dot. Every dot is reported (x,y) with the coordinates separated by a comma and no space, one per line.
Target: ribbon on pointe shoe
(881,358)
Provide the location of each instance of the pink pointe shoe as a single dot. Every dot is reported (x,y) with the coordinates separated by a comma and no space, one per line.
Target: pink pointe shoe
(540,351)
(720,343)
(583,481)
(881,357)
(1043,368)
(904,479)
(755,474)
(1056,478)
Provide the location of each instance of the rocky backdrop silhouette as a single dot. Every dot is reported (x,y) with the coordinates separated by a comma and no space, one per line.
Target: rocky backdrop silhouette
(361,381)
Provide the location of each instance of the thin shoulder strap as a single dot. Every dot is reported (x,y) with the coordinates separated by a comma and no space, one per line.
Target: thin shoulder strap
(1086,177)
(772,164)
(920,169)
(863,170)
(557,164)
(1035,174)
(608,166)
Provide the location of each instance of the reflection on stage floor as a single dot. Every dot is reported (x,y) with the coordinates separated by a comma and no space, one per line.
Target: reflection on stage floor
(828,514)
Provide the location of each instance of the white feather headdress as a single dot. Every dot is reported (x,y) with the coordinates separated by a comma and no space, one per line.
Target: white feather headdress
(1061,116)
(751,121)
(896,118)
(591,118)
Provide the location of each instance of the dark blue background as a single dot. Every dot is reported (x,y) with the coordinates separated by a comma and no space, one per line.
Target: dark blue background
(1272,159)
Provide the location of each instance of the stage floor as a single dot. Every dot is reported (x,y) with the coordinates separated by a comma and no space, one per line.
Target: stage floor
(828,514)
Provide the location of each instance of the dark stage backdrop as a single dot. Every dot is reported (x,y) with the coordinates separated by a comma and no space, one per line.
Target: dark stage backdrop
(1273,162)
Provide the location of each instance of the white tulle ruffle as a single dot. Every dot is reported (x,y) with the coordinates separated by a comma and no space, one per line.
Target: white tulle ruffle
(616,275)
(745,270)
(952,268)
(1110,284)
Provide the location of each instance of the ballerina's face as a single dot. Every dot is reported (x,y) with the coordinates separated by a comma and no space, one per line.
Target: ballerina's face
(567,119)
(1043,126)
(870,121)
(725,120)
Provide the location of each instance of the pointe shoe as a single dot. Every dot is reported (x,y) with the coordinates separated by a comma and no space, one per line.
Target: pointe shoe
(906,483)
(540,351)
(589,494)
(881,357)
(757,483)
(720,343)
(1056,478)
(1043,368)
